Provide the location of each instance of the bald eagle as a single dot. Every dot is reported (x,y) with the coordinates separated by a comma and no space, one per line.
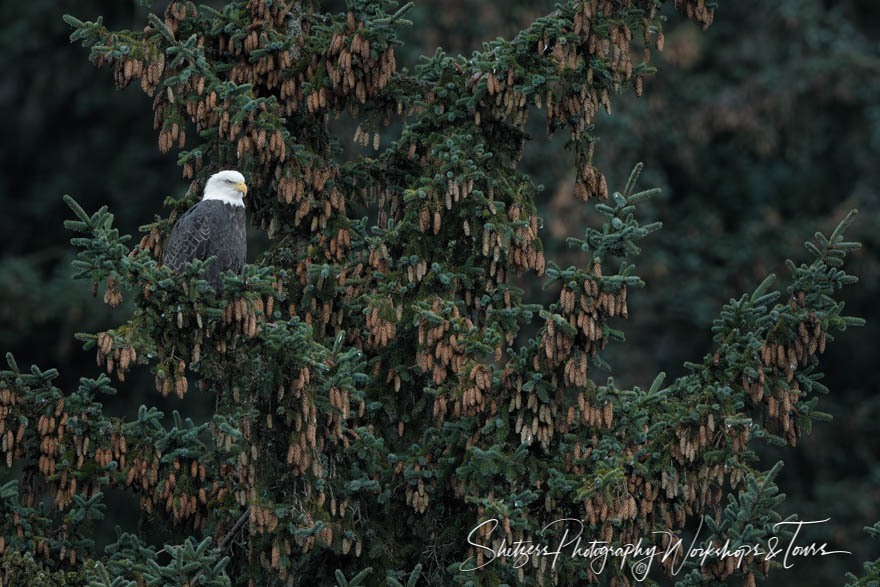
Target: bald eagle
(213,227)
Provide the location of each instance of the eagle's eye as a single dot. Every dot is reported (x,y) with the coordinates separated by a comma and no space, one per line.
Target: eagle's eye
(229,181)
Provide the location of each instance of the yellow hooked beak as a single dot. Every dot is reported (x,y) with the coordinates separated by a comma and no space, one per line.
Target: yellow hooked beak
(240,186)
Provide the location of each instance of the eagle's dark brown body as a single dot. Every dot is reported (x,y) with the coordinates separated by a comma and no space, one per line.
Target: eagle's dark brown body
(210,228)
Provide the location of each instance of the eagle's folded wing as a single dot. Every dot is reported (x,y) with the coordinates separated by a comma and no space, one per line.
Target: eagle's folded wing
(189,238)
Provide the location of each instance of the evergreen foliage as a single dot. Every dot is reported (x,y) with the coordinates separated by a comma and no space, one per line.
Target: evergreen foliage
(381,384)
(871,578)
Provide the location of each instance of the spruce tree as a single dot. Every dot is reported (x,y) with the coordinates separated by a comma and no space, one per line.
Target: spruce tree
(382,382)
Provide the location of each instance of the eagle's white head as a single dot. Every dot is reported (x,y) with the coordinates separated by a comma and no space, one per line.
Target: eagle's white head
(227,186)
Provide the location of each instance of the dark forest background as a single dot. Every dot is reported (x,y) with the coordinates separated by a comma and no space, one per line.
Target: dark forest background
(760,132)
